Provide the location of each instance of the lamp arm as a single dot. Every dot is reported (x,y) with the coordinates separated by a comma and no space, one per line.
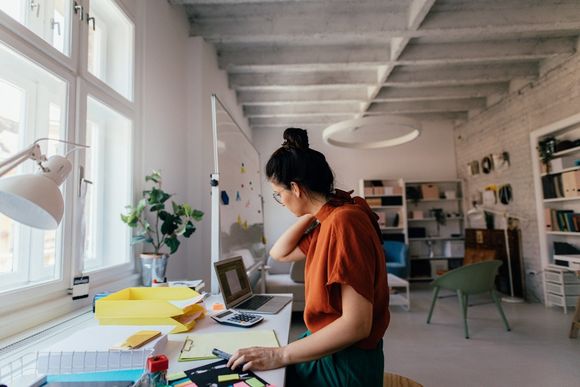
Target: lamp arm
(32,152)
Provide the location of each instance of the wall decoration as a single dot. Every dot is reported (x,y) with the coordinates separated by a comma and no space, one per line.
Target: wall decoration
(501,161)
(225,198)
(505,194)
(473,168)
(487,164)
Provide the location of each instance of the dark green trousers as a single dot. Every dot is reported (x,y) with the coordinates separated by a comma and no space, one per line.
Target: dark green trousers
(350,367)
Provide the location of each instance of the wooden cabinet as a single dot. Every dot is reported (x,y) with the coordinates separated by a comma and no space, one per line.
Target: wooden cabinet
(495,240)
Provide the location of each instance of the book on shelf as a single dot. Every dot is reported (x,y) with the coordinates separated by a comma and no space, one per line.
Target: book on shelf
(562,220)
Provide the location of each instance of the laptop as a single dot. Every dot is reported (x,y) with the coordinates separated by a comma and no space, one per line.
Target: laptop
(237,292)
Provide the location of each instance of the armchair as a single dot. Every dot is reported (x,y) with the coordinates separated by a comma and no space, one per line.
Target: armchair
(396,257)
(281,277)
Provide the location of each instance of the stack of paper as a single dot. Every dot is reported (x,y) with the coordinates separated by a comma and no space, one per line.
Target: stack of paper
(91,349)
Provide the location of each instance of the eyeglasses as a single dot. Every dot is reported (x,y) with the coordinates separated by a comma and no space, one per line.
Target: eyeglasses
(277,197)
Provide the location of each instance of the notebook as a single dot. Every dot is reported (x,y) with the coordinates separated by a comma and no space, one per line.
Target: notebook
(237,292)
(199,346)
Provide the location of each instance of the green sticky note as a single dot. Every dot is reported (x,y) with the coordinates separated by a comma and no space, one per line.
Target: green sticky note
(176,376)
(227,378)
(254,382)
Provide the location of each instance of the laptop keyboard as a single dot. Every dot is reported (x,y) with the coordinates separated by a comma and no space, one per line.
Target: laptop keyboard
(254,303)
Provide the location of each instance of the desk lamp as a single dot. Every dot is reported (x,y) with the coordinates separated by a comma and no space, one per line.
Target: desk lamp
(479,211)
(35,199)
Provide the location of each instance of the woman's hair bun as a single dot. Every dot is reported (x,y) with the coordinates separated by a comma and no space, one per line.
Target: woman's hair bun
(295,138)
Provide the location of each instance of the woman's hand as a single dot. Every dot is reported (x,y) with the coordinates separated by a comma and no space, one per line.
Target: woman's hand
(257,358)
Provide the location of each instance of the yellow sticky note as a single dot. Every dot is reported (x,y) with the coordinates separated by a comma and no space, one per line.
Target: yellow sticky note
(227,378)
(254,382)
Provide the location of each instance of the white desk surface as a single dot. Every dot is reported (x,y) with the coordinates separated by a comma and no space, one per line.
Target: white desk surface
(279,322)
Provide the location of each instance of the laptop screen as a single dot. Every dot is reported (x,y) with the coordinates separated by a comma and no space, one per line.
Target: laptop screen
(233,280)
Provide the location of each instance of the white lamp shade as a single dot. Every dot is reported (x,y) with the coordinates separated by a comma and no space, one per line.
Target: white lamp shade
(33,200)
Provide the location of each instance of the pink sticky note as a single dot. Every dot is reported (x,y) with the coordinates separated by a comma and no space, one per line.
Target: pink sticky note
(240,384)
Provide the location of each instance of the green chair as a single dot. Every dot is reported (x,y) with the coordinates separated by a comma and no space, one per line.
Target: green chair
(467,280)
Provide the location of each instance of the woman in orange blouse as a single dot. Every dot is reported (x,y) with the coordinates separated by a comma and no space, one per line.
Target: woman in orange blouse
(347,295)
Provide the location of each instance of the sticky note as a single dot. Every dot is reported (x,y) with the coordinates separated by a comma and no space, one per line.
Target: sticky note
(240,384)
(176,376)
(227,378)
(254,383)
(218,306)
(185,384)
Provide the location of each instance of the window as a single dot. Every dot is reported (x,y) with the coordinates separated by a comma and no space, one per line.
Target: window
(49,19)
(86,99)
(110,46)
(108,166)
(32,105)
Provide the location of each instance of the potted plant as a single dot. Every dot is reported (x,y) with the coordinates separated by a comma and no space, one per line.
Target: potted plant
(161,225)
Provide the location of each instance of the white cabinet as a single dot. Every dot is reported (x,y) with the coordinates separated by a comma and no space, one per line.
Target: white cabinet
(562,287)
(435,220)
(556,165)
(387,199)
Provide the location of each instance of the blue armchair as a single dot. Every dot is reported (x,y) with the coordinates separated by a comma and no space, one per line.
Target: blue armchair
(396,256)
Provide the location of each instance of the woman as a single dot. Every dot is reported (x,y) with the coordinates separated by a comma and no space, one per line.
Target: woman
(346,287)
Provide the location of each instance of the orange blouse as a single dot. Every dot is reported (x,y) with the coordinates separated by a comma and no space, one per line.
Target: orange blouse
(345,249)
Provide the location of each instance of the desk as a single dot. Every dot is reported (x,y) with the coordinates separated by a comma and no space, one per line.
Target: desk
(279,322)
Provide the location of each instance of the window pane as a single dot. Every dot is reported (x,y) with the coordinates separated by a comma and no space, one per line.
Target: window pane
(32,105)
(111,47)
(108,166)
(49,19)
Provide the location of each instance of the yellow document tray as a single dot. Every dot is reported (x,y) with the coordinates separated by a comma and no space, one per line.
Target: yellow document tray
(150,306)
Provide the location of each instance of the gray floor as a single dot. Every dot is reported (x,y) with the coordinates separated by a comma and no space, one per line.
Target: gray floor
(537,352)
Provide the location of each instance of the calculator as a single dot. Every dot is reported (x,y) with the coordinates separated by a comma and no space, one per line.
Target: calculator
(245,320)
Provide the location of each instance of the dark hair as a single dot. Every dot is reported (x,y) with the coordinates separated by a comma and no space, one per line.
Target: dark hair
(294,161)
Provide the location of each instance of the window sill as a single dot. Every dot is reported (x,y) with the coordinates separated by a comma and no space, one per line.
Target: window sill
(53,306)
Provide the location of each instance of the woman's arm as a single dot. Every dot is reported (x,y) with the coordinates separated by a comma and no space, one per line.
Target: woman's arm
(354,325)
(286,247)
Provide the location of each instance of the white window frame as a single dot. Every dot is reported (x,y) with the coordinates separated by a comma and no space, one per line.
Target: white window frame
(32,305)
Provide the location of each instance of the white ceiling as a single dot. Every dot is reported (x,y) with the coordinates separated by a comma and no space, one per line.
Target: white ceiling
(311,63)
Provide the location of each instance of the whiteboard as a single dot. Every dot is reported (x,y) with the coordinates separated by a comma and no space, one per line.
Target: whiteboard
(237,205)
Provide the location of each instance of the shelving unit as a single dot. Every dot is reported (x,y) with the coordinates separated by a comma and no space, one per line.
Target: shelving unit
(557,187)
(387,198)
(435,242)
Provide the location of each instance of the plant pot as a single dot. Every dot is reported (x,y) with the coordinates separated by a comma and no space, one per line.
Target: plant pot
(153,266)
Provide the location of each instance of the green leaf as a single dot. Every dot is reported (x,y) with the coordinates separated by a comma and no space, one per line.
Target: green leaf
(189,229)
(157,207)
(173,244)
(169,226)
(197,215)
(155,177)
(141,238)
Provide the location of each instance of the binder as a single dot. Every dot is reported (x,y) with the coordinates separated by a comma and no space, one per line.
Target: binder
(571,181)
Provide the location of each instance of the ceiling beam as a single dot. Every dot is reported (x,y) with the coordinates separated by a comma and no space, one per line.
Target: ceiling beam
(256,97)
(452,105)
(312,108)
(298,120)
(242,57)
(460,75)
(298,25)
(427,117)
(393,94)
(490,51)
(302,78)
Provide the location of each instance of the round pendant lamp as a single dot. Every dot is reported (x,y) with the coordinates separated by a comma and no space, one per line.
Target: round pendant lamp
(372,132)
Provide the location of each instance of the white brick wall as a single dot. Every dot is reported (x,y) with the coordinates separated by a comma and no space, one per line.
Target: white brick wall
(506,126)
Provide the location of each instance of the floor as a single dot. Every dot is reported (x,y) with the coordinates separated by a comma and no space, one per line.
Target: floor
(537,352)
